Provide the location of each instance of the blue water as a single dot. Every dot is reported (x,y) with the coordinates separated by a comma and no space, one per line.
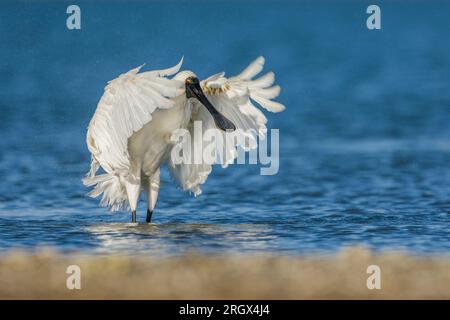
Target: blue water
(364,143)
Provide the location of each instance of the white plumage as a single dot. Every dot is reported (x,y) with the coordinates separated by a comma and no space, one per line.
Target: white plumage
(129,135)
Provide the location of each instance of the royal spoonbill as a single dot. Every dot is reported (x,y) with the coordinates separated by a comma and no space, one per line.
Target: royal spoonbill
(130,133)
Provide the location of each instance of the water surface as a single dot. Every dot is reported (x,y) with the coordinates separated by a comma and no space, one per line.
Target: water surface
(364,143)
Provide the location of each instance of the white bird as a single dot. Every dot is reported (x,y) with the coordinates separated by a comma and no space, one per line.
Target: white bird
(129,136)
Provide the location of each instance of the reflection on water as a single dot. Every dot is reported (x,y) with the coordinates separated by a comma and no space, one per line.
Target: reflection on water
(153,239)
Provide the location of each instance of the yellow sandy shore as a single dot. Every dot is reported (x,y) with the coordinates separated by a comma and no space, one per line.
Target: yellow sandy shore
(43,275)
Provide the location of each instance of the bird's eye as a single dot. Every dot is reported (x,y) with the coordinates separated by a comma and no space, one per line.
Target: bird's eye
(191,80)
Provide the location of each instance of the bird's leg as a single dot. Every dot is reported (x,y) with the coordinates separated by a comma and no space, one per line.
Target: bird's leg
(149,216)
(133,190)
(152,195)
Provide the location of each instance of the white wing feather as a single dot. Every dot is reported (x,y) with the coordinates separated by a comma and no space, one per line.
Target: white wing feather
(233,98)
(125,107)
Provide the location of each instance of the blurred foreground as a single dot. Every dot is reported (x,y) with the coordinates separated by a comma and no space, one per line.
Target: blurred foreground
(42,275)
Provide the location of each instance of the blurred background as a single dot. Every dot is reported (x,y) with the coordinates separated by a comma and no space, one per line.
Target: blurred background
(364,142)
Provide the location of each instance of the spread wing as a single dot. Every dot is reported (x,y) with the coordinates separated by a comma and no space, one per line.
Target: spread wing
(125,107)
(234,97)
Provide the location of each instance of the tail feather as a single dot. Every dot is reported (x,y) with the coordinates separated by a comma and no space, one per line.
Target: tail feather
(114,192)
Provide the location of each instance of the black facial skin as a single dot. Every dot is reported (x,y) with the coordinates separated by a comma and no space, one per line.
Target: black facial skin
(193,90)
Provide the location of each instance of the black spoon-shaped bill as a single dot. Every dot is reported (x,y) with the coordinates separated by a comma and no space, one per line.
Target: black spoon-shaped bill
(193,89)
